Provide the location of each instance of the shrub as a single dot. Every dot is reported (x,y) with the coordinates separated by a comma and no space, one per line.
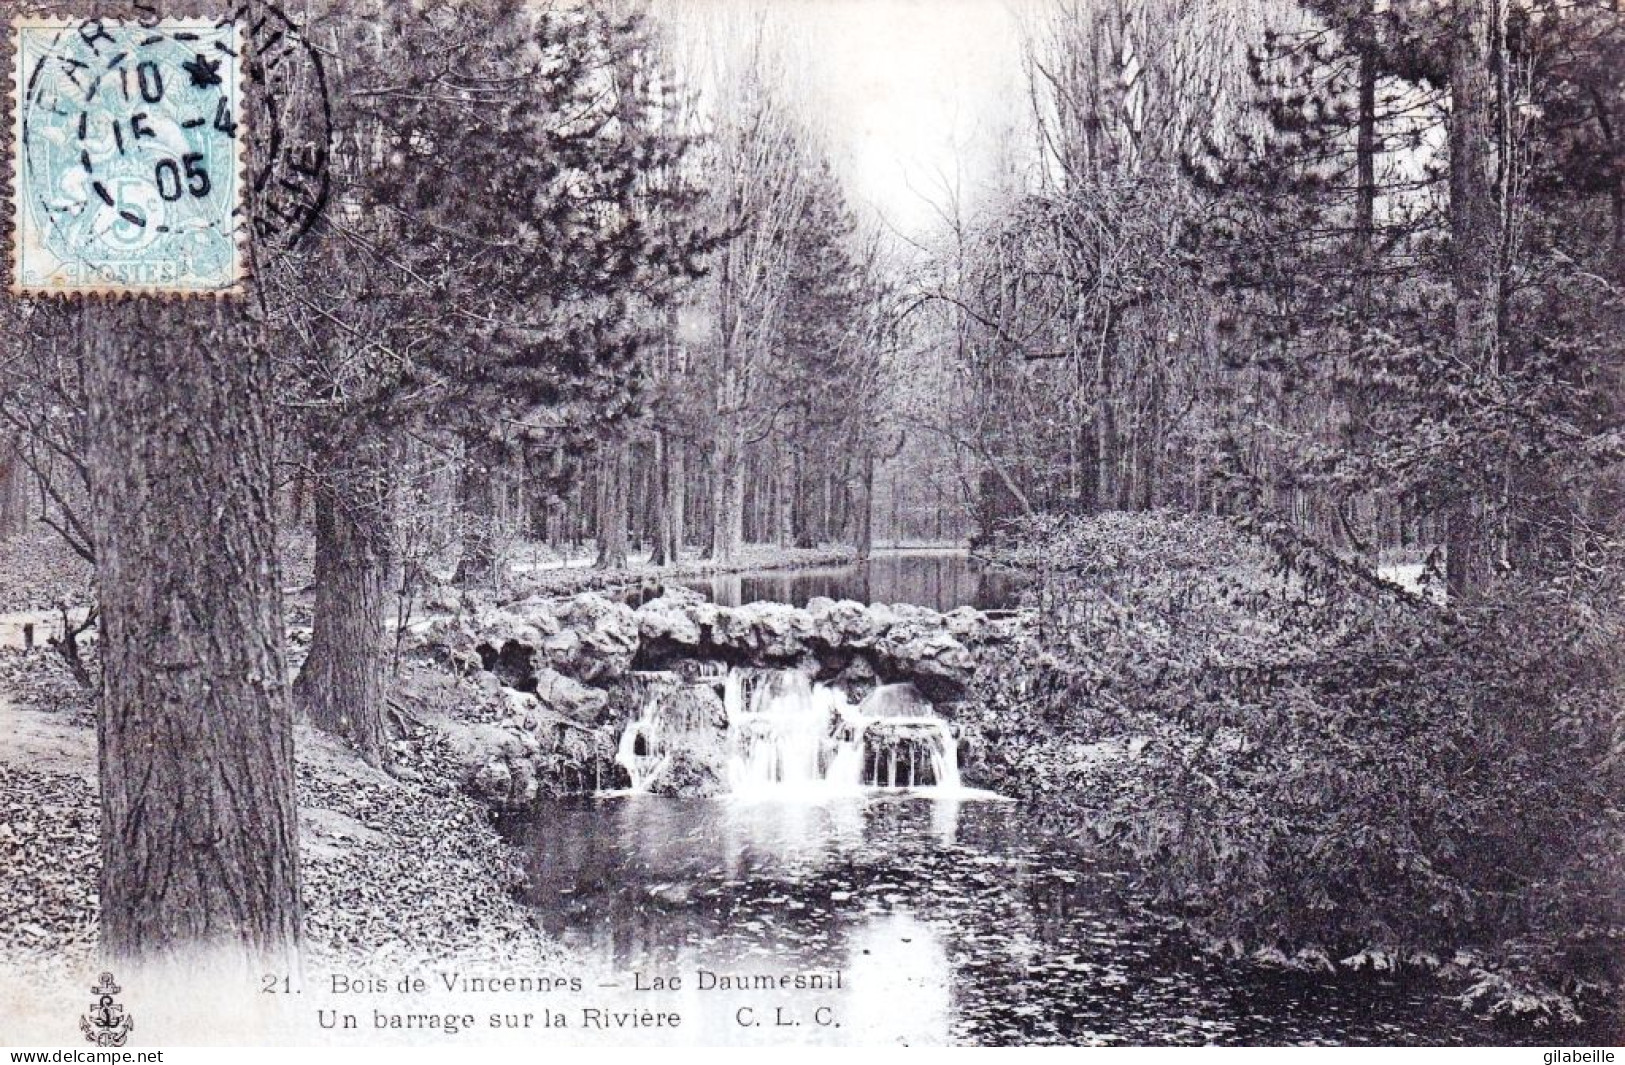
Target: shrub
(1326,765)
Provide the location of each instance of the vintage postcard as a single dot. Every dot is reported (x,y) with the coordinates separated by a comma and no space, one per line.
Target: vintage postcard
(666,523)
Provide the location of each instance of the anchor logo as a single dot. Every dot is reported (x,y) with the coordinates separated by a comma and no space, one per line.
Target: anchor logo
(106,1025)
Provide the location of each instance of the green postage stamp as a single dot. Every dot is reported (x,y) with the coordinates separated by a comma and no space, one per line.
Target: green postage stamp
(127,157)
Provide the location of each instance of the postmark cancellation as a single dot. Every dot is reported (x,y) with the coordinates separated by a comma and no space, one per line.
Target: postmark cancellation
(127,157)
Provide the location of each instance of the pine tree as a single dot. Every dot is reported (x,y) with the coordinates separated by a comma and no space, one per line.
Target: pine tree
(491,269)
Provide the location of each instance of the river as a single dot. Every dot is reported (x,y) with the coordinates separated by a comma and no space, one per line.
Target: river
(950,919)
(939,579)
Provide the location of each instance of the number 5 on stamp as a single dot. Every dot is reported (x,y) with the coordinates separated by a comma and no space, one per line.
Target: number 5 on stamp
(127,157)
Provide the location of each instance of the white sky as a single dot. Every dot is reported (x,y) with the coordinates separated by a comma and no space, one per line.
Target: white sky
(914,92)
(911,93)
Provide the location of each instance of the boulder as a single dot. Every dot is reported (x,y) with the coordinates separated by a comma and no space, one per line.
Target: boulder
(697,708)
(846,624)
(676,593)
(731,630)
(507,785)
(1010,627)
(451,638)
(474,745)
(569,698)
(669,623)
(493,782)
(689,773)
(493,762)
(605,638)
(539,611)
(966,624)
(778,632)
(896,700)
(932,658)
(505,643)
(442,599)
(497,627)
(910,613)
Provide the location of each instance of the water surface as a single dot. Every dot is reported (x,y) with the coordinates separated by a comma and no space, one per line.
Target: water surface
(941,580)
(950,921)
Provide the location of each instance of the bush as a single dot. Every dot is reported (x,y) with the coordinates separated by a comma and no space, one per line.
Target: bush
(1325,764)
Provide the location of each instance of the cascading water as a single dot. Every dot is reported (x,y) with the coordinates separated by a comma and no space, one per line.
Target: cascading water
(775,733)
(779,723)
(786,733)
(640,751)
(678,723)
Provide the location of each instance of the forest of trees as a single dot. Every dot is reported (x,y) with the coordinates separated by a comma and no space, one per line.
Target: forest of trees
(591,276)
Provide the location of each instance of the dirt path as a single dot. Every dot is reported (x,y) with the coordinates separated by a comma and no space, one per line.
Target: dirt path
(45,741)
(45,623)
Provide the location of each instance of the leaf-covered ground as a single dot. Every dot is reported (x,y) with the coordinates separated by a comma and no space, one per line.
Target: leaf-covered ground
(37,571)
(408,869)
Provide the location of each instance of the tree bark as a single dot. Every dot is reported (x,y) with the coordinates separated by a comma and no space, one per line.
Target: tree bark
(1107,446)
(676,497)
(13,493)
(612,509)
(477,498)
(728,515)
(199,842)
(864,537)
(667,498)
(1475,230)
(1365,144)
(660,552)
(340,688)
(784,519)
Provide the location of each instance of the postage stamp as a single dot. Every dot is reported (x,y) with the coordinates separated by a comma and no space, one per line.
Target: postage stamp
(127,157)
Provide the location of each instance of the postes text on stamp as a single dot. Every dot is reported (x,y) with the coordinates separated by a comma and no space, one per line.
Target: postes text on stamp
(127,157)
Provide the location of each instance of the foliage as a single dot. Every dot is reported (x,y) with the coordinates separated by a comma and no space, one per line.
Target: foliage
(499,227)
(1328,764)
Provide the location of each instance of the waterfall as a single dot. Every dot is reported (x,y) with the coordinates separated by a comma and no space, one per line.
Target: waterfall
(776,733)
(787,734)
(641,750)
(679,719)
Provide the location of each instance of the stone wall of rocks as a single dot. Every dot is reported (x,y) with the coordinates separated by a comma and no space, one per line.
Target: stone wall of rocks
(570,673)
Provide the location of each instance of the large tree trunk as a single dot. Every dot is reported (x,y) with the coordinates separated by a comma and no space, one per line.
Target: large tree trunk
(1364,542)
(808,486)
(1475,233)
(864,512)
(199,842)
(477,488)
(1106,442)
(676,497)
(614,487)
(1365,144)
(667,499)
(340,688)
(660,552)
(784,520)
(13,493)
(728,514)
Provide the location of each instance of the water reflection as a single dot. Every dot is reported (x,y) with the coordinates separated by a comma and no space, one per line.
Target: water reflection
(941,580)
(947,922)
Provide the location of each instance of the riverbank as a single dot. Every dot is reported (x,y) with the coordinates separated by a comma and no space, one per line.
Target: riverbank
(402,867)
(549,575)
(1295,758)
